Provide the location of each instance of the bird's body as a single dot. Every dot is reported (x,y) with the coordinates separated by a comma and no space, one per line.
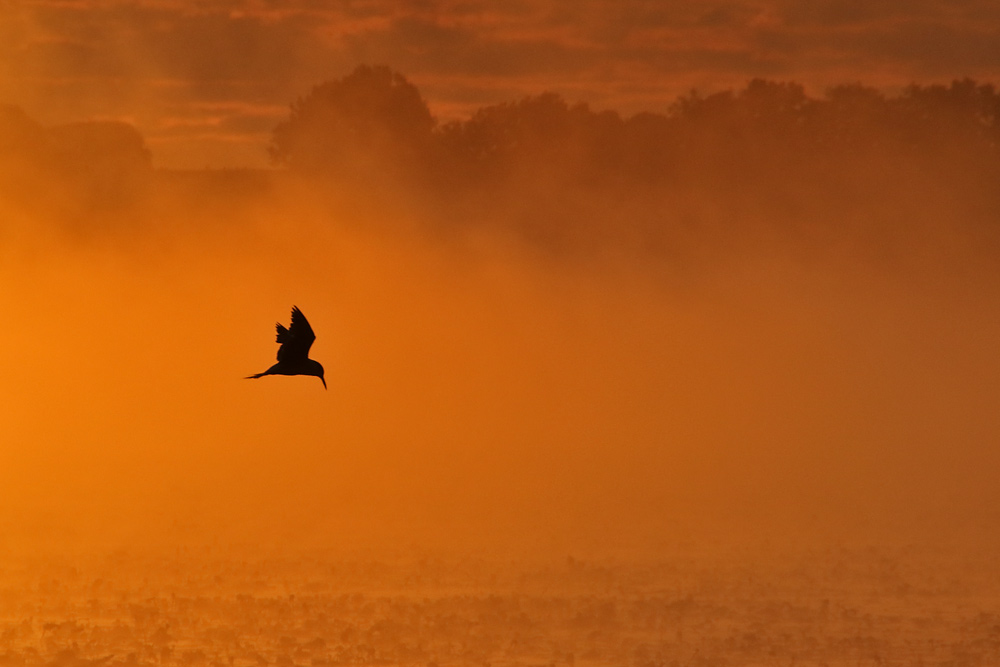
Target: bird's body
(293,355)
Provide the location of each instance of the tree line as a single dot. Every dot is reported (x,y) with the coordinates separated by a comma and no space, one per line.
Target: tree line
(374,121)
(855,158)
(855,161)
(84,164)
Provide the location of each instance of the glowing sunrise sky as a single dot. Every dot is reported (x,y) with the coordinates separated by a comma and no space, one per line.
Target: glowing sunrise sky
(206,82)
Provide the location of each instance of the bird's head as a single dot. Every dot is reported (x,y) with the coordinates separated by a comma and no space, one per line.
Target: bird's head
(316,369)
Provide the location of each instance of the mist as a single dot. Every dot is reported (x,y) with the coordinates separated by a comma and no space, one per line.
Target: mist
(523,357)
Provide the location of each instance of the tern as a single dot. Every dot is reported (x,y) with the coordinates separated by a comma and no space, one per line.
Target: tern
(293,355)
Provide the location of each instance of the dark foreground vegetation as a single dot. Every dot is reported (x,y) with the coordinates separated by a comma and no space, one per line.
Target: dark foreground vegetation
(838,607)
(856,166)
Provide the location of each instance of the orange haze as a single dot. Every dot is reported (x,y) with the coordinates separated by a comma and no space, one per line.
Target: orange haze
(577,330)
(484,393)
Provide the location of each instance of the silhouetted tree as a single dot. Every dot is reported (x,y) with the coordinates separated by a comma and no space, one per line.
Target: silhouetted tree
(540,137)
(108,148)
(746,130)
(961,119)
(106,162)
(371,121)
(68,171)
(768,154)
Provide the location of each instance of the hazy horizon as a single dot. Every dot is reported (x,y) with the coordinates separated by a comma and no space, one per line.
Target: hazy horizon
(565,303)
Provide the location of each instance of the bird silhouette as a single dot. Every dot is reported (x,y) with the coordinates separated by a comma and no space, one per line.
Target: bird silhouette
(293,355)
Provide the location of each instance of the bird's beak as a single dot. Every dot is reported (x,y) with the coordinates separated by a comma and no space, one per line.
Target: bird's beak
(323,381)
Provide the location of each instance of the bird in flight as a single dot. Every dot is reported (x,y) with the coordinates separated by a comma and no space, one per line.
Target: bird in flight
(293,355)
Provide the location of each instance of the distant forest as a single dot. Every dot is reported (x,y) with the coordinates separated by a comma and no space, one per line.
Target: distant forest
(855,161)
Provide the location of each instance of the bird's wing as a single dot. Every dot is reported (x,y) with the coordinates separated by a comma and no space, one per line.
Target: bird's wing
(296,340)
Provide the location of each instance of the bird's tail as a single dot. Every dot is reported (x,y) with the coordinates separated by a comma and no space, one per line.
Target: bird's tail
(254,377)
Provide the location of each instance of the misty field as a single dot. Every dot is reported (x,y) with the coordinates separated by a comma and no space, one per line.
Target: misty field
(838,606)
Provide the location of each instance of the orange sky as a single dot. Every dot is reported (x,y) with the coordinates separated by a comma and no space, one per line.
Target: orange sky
(206,82)
(749,379)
